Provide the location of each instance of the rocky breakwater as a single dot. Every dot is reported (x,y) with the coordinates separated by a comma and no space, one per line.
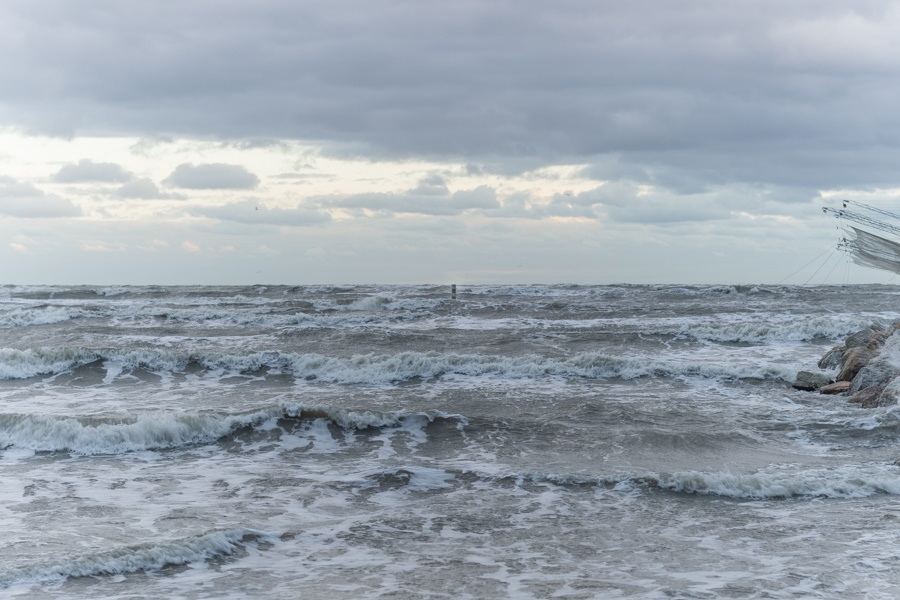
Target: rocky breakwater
(868,368)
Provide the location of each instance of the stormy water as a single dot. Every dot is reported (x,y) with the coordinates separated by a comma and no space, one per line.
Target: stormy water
(391,441)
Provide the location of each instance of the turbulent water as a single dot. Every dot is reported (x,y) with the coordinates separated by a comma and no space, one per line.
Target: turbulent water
(386,441)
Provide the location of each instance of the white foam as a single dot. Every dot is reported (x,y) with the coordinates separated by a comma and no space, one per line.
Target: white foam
(147,557)
(28,316)
(759,329)
(22,364)
(47,433)
(850,481)
(841,482)
(160,430)
(404,366)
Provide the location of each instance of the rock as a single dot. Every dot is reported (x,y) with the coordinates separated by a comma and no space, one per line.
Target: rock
(832,359)
(854,360)
(878,339)
(862,337)
(878,371)
(891,394)
(810,381)
(838,387)
(867,397)
(869,368)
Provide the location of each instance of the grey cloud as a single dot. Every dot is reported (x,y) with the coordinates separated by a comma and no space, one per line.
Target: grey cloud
(145,189)
(630,202)
(215,176)
(253,213)
(88,170)
(430,197)
(798,94)
(26,201)
(523,206)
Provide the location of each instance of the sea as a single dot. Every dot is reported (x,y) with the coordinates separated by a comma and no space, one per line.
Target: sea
(376,441)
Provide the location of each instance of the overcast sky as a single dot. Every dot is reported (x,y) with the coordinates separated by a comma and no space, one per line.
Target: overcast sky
(286,141)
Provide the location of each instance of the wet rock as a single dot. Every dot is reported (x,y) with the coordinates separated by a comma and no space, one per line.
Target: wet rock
(878,371)
(891,393)
(867,397)
(838,387)
(854,360)
(878,339)
(832,359)
(863,336)
(869,364)
(809,381)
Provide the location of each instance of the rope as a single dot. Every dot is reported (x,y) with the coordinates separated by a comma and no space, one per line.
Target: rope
(831,271)
(832,248)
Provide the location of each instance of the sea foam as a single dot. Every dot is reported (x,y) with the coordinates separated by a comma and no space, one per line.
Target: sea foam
(162,430)
(143,557)
(383,368)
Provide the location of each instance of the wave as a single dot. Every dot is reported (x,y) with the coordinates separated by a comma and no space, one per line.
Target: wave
(40,315)
(164,430)
(770,329)
(379,369)
(844,482)
(142,557)
(23,364)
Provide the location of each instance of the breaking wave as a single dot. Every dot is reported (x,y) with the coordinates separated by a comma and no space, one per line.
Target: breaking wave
(769,329)
(164,430)
(379,368)
(842,482)
(142,557)
(45,315)
(845,482)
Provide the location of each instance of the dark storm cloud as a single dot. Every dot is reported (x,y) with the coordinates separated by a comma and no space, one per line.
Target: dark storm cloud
(690,94)
(23,200)
(215,176)
(88,170)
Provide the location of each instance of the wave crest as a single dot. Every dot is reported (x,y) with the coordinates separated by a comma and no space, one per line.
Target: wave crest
(379,368)
(143,557)
(159,431)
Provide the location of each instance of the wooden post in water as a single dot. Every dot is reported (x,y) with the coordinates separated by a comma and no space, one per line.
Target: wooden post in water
(453,292)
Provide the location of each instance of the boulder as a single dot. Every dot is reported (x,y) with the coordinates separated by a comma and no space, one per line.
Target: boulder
(867,397)
(878,371)
(862,337)
(832,359)
(809,381)
(853,361)
(838,387)
(878,339)
(891,394)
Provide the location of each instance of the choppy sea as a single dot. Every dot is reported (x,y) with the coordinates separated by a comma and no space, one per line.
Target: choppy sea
(389,441)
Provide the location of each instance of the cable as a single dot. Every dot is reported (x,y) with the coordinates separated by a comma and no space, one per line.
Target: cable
(831,271)
(832,248)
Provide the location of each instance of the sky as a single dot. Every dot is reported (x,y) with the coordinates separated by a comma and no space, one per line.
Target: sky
(468,142)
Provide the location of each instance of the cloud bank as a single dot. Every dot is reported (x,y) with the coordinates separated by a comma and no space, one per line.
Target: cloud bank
(683,95)
(23,200)
(708,128)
